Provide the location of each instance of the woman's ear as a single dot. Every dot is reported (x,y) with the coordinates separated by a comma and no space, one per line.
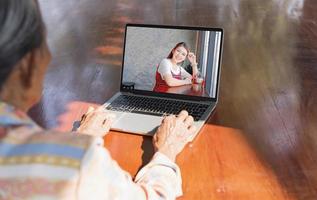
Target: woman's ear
(17,90)
(26,69)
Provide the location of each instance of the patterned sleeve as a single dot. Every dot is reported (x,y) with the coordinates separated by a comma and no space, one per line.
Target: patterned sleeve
(102,178)
(161,178)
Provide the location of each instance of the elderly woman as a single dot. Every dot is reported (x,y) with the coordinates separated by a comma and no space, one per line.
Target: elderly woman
(170,73)
(42,164)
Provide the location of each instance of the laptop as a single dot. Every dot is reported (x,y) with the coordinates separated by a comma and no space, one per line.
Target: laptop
(145,97)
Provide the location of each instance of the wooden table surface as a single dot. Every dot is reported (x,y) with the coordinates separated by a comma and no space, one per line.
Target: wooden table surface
(218,164)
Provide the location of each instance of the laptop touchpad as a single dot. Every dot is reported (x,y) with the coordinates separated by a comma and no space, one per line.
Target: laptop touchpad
(136,123)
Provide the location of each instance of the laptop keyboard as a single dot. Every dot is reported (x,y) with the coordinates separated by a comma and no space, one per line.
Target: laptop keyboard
(156,106)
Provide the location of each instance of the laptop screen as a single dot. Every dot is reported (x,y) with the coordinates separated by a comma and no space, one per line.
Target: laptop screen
(172,60)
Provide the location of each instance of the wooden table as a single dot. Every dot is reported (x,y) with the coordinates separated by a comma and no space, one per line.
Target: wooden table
(218,164)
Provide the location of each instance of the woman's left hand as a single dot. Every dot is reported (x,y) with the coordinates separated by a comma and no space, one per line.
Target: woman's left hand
(192,59)
(96,122)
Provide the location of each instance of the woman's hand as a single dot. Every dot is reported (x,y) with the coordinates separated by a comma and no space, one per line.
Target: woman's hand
(96,122)
(188,81)
(192,59)
(173,134)
(193,63)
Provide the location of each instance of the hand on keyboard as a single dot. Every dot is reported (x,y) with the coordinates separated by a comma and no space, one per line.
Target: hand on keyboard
(173,134)
(96,122)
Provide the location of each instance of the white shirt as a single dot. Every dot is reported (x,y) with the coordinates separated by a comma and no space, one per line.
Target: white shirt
(166,67)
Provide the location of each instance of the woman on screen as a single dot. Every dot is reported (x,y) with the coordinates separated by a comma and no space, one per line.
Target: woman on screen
(170,73)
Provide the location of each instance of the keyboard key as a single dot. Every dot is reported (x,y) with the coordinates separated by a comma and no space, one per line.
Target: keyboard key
(156,106)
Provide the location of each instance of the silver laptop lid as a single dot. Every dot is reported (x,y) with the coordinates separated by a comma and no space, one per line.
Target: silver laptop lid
(153,51)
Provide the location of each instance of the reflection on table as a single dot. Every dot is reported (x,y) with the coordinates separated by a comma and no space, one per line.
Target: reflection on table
(193,90)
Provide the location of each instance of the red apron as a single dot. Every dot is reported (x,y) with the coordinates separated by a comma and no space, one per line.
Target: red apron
(160,85)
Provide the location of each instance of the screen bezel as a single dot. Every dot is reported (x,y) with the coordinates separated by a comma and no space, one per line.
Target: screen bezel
(173,95)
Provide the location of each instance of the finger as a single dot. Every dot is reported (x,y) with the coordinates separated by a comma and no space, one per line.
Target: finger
(101,108)
(154,137)
(168,118)
(164,118)
(182,115)
(192,133)
(192,129)
(107,124)
(111,116)
(106,117)
(189,120)
(90,109)
(83,117)
(88,112)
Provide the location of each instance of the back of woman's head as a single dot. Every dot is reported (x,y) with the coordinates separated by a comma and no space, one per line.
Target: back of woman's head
(21,32)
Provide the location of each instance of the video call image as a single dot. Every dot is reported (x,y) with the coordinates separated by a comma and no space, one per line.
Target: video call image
(178,61)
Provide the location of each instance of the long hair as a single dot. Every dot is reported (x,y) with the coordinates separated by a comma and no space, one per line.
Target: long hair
(21,31)
(180,44)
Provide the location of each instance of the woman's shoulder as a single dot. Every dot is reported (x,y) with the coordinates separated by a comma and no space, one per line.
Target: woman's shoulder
(165,62)
(57,153)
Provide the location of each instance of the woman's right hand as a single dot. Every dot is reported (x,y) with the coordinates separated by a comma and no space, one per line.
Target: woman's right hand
(188,81)
(173,134)
(192,59)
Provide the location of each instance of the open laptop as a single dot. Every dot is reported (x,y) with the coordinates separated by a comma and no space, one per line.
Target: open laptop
(139,106)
